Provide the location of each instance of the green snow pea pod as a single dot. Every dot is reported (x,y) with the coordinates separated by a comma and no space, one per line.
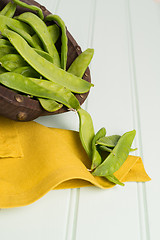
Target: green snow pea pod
(25,35)
(12,61)
(104,148)
(107,149)
(108,141)
(39,88)
(4,21)
(117,157)
(5,49)
(113,179)
(50,105)
(86,130)
(27,71)
(42,31)
(2,70)
(45,55)
(47,104)
(96,157)
(31,7)
(45,68)
(4,42)
(54,32)
(6,8)
(64,39)
(80,64)
(9,9)
(37,41)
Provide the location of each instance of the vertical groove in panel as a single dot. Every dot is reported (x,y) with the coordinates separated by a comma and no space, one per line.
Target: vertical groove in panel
(57,6)
(71,225)
(92,24)
(91,32)
(141,187)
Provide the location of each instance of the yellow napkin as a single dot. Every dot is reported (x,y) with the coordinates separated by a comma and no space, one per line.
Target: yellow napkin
(35,159)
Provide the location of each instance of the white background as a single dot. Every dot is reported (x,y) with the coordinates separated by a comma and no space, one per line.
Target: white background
(126,72)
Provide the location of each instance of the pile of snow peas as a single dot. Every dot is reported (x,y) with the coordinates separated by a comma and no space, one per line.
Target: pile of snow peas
(32,65)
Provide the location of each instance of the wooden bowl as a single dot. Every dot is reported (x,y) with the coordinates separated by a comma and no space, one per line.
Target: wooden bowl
(22,108)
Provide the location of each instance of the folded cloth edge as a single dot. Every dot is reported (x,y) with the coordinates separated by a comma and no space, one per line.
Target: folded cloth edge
(29,197)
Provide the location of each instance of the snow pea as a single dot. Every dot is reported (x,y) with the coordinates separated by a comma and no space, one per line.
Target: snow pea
(9,9)
(54,32)
(80,64)
(96,157)
(12,61)
(37,41)
(27,71)
(2,70)
(25,35)
(114,180)
(45,68)
(86,130)
(42,31)
(108,141)
(64,39)
(39,88)
(104,148)
(117,157)
(4,21)
(4,49)
(31,7)
(6,8)
(4,42)
(50,105)
(45,55)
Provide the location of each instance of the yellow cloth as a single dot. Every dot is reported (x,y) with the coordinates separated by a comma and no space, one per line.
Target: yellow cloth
(35,159)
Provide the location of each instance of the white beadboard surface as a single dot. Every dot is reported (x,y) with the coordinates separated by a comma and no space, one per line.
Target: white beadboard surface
(125,70)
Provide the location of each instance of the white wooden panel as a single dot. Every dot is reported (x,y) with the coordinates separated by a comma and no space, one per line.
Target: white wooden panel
(146,39)
(113,213)
(44,219)
(125,70)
